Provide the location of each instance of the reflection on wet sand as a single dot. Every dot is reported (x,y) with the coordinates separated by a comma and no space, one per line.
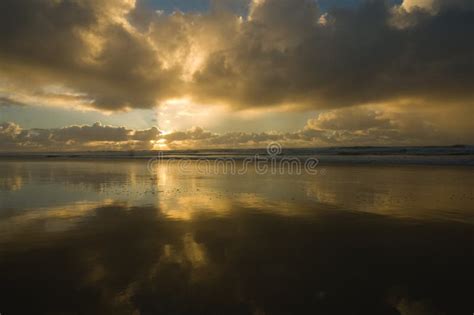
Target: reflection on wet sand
(122,260)
(219,244)
(401,191)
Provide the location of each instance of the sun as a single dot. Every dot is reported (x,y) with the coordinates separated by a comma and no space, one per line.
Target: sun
(160,145)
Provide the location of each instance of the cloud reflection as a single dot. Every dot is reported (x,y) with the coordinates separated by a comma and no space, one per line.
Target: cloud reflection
(123,260)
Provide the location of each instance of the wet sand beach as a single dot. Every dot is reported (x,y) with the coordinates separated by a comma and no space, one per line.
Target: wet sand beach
(109,237)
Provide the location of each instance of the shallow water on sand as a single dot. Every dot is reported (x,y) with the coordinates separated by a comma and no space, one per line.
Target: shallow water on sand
(108,237)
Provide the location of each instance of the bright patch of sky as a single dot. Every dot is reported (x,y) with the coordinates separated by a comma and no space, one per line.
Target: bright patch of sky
(181,5)
(40,117)
(169,118)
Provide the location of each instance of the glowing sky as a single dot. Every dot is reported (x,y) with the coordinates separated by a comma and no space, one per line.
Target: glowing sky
(122,74)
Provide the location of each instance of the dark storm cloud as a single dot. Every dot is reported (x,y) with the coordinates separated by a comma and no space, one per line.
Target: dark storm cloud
(118,54)
(83,45)
(358,56)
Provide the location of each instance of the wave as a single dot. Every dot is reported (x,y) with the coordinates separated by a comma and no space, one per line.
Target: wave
(434,155)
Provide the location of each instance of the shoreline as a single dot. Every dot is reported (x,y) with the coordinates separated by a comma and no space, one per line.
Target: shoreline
(382,160)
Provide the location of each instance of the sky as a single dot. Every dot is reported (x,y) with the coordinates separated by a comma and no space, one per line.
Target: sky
(184,74)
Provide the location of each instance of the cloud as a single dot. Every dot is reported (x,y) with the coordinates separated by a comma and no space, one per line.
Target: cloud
(350,119)
(410,5)
(6,101)
(8,134)
(116,55)
(352,126)
(379,125)
(74,138)
(367,125)
(327,129)
(195,133)
(282,55)
(82,45)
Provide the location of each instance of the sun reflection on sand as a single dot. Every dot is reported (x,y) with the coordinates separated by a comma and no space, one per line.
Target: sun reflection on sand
(109,235)
(394,191)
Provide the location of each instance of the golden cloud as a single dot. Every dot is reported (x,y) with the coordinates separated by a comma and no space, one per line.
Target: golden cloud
(386,124)
(115,55)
